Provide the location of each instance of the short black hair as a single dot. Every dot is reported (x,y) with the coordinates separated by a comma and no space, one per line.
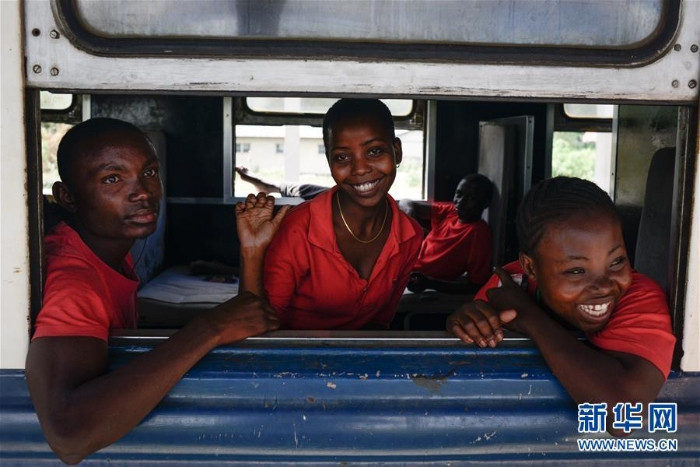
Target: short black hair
(352,108)
(553,201)
(84,137)
(483,187)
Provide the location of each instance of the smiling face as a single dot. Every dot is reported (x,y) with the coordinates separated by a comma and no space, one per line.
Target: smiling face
(116,189)
(362,156)
(582,269)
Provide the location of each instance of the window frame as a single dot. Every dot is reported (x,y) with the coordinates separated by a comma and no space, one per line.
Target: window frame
(643,54)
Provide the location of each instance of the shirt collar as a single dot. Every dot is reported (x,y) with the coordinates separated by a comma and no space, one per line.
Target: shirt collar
(322,235)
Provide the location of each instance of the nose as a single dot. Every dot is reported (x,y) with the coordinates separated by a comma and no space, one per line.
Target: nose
(603,283)
(360,165)
(141,190)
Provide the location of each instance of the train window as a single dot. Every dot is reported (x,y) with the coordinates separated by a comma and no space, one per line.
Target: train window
(318,106)
(583,145)
(55,101)
(588,111)
(579,22)
(59,112)
(284,142)
(51,134)
(585,155)
(295,153)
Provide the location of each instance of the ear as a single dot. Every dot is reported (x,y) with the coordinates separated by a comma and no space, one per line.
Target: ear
(398,151)
(64,197)
(528,264)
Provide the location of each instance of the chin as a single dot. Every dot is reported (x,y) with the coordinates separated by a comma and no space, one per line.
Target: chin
(588,327)
(140,234)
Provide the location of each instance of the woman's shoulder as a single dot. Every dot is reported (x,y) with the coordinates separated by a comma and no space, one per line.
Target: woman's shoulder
(406,226)
(306,220)
(644,287)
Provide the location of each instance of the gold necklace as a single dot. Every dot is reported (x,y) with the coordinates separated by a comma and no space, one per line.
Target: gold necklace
(381,229)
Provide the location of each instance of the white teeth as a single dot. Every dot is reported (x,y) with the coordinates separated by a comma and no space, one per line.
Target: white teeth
(595,310)
(365,187)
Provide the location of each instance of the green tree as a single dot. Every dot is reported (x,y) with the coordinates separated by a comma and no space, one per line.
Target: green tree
(573,157)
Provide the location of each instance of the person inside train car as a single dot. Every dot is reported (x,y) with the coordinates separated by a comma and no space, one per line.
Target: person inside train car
(342,260)
(111,187)
(573,273)
(455,256)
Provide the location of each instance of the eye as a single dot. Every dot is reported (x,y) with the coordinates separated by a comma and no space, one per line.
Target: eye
(575,271)
(620,261)
(152,172)
(110,179)
(375,151)
(341,157)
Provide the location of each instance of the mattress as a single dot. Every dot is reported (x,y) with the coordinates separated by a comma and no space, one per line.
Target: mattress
(174,297)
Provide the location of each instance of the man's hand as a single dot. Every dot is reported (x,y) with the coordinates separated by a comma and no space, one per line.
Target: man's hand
(242,316)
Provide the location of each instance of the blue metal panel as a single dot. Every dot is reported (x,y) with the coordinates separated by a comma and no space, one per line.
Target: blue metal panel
(272,404)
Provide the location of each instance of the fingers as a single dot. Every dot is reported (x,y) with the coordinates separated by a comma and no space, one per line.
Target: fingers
(277,219)
(243,316)
(506,316)
(260,200)
(478,323)
(503,276)
(253,201)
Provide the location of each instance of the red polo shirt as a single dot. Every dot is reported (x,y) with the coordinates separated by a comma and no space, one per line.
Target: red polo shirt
(311,284)
(452,248)
(82,295)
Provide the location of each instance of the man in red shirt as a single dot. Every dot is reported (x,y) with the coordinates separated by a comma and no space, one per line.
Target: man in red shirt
(455,256)
(110,185)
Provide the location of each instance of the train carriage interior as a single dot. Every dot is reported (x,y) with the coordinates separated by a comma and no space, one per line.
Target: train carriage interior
(630,150)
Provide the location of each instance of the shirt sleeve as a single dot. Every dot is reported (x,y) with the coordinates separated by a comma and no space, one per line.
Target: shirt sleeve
(74,303)
(438,212)
(494,282)
(284,262)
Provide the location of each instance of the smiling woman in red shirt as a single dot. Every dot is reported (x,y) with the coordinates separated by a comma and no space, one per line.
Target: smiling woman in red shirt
(342,260)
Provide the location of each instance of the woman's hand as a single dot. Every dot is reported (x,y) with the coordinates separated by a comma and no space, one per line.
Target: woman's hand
(482,322)
(510,296)
(477,322)
(255,223)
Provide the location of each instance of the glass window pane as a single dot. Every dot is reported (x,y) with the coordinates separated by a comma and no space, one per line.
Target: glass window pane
(588,111)
(51,134)
(586,155)
(319,106)
(619,23)
(51,101)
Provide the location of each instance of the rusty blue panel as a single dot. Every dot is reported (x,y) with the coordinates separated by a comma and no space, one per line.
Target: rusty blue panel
(273,404)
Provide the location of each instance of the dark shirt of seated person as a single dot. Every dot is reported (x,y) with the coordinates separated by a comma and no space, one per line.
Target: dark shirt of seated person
(342,260)
(455,256)
(574,274)
(110,184)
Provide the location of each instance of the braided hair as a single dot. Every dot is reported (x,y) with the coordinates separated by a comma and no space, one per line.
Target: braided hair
(345,109)
(556,200)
